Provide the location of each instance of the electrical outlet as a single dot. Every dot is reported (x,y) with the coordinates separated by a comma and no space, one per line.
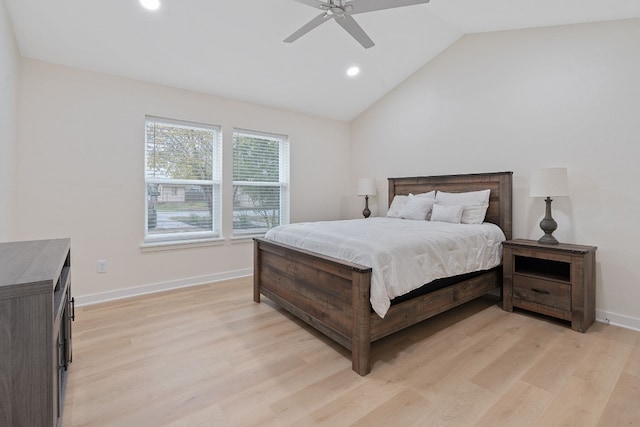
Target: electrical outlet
(102,266)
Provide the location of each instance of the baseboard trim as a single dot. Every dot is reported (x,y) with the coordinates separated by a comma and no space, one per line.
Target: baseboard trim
(159,287)
(618,320)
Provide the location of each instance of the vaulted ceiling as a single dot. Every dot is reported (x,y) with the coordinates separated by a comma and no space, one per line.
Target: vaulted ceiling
(235,48)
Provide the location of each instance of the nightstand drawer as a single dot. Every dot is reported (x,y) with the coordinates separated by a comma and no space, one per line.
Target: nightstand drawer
(543,292)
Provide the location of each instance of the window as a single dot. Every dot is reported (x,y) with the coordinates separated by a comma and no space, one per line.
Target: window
(182,177)
(260,181)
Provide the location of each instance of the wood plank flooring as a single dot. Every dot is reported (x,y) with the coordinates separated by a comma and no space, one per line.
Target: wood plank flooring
(210,356)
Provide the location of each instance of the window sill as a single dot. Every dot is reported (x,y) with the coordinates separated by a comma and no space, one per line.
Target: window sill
(180,244)
(245,238)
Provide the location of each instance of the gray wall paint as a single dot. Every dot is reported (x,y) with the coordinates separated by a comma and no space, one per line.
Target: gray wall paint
(9,60)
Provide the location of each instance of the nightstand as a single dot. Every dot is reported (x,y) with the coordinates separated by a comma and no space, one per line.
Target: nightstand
(555,280)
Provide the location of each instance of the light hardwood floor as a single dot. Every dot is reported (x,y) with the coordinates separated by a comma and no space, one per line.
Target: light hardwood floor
(210,356)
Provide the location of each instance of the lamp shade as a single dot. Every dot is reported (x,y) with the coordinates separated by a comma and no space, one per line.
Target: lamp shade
(549,183)
(367,187)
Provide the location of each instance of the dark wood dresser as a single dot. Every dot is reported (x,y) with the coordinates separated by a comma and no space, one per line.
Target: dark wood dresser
(555,280)
(36,311)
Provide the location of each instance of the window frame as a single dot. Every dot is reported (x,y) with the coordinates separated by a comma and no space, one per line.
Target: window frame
(215,182)
(283,180)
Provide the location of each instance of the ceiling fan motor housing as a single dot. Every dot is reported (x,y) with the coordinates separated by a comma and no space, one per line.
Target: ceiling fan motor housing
(339,11)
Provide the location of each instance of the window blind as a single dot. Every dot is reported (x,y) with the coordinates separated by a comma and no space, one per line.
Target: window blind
(260,181)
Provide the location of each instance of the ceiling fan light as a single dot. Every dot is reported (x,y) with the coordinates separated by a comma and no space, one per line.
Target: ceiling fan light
(150,4)
(353,71)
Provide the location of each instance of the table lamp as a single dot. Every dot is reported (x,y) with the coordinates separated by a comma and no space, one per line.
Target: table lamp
(548,183)
(366,188)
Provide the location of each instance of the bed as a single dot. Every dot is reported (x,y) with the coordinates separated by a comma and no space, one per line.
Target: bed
(333,295)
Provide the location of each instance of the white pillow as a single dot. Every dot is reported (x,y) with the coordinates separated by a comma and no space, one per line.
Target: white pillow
(474,214)
(475,204)
(416,208)
(443,213)
(399,201)
(396,206)
(429,195)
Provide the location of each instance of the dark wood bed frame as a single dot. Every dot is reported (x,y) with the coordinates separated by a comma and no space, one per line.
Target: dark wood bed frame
(332,295)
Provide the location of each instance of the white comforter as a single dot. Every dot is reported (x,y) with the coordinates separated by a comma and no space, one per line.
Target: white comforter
(403,254)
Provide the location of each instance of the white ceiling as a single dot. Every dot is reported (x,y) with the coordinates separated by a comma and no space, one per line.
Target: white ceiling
(234,48)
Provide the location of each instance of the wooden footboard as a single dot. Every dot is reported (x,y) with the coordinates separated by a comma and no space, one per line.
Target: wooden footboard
(329,294)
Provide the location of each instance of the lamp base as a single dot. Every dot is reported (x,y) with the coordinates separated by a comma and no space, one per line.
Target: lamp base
(548,225)
(548,239)
(366,212)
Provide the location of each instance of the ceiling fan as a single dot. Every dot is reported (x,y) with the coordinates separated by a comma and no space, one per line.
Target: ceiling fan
(341,11)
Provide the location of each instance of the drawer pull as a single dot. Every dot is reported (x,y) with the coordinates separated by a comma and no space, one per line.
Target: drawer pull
(540,291)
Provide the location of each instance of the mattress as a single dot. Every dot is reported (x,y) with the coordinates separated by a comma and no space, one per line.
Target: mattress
(403,254)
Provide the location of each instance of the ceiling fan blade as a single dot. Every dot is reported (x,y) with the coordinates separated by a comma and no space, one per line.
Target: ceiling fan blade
(356,31)
(362,6)
(313,3)
(320,19)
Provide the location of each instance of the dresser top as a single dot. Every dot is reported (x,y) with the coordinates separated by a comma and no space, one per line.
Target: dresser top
(31,262)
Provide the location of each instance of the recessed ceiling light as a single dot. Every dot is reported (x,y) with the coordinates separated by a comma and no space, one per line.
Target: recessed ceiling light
(353,71)
(150,4)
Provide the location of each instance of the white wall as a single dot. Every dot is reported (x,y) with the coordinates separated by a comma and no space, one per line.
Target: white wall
(9,60)
(80,174)
(522,100)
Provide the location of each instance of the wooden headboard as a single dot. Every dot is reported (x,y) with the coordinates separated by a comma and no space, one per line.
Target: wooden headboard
(500,184)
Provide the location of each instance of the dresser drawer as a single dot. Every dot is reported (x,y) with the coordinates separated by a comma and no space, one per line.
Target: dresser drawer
(545,292)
